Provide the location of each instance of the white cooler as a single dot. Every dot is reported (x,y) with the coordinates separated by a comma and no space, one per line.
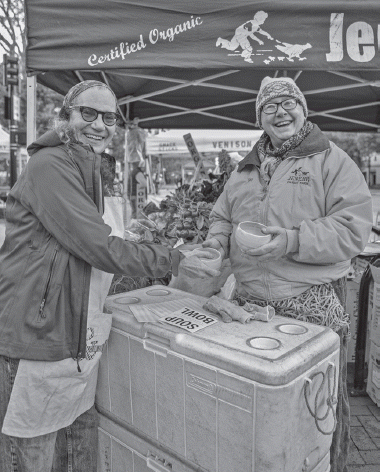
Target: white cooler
(227,398)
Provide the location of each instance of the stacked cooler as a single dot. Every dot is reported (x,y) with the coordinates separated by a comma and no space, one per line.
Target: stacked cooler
(373,380)
(228,398)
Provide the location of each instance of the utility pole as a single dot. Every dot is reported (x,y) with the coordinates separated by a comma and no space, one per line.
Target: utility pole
(12,112)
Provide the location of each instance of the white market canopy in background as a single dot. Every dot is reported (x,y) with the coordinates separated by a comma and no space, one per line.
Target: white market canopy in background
(171,142)
(4,140)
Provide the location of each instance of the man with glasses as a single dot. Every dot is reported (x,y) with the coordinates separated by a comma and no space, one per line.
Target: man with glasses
(315,203)
(63,243)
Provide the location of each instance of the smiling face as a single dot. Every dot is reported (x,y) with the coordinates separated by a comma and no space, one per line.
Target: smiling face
(283,124)
(96,133)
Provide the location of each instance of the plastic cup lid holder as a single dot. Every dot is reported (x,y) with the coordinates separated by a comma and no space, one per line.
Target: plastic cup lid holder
(127,300)
(292,329)
(157,292)
(264,343)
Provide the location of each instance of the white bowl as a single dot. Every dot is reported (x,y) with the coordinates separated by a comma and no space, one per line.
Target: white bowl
(215,262)
(249,235)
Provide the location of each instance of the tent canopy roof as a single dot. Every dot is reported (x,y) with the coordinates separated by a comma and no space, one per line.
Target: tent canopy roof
(199,64)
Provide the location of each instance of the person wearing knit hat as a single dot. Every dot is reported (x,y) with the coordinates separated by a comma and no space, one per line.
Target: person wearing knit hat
(313,200)
(64,240)
(278,87)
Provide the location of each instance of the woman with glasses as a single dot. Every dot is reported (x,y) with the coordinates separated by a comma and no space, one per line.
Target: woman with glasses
(316,205)
(63,243)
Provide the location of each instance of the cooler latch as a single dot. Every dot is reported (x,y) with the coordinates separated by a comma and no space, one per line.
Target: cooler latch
(158,464)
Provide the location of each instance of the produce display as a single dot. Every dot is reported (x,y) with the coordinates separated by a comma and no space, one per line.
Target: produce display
(182,215)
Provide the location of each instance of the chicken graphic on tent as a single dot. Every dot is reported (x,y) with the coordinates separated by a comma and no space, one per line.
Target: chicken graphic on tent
(293,50)
(251,29)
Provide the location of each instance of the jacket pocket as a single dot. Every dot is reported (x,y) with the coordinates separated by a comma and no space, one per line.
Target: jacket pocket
(41,314)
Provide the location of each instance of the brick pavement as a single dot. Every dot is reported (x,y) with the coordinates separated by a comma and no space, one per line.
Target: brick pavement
(365,435)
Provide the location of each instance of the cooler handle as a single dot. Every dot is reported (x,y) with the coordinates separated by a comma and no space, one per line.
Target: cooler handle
(157,464)
(157,344)
(331,400)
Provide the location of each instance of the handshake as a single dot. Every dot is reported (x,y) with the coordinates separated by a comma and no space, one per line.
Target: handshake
(202,261)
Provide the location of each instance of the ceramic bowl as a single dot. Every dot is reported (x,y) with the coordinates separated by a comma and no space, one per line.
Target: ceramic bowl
(216,261)
(249,236)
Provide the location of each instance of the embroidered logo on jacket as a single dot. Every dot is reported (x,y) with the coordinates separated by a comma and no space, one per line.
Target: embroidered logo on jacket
(298,176)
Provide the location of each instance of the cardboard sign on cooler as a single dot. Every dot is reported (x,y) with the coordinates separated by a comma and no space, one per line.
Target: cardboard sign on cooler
(189,319)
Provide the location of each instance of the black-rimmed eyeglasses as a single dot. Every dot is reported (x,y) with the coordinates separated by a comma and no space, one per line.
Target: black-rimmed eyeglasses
(288,104)
(90,114)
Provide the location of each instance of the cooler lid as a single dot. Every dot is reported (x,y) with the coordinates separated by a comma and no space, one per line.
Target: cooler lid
(272,353)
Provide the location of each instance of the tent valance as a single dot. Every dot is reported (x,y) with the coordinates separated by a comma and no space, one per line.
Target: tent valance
(120,34)
(199,64)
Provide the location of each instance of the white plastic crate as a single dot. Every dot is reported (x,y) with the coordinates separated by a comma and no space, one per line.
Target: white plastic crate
(228,398)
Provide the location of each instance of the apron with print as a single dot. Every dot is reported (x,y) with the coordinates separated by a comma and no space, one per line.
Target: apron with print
(48,396)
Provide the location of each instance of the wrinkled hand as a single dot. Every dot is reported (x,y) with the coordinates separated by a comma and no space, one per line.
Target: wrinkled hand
(273,250)
(194,267)
(215,244)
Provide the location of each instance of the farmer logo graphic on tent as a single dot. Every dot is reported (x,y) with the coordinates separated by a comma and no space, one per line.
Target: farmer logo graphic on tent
(251,29)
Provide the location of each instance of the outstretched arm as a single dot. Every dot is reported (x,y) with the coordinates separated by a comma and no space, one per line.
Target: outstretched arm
(264,33)
(251,35)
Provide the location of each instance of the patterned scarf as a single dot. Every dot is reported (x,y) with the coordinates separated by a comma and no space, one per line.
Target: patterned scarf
(271,158)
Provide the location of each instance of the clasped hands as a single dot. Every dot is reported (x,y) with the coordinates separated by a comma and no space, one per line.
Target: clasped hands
(192,264)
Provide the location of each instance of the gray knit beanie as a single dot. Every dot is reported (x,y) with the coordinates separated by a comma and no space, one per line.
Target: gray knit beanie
(278,87)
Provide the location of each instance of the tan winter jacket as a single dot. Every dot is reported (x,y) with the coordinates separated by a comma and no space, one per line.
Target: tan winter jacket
(319,195)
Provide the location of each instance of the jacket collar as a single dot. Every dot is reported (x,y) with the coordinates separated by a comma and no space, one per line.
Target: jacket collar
(314,142)
(51,139)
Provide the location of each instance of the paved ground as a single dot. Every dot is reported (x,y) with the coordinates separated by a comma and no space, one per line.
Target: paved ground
(365,436)
(365,432)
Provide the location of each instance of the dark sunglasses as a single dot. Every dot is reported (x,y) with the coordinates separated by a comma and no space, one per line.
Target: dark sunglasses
(90,114)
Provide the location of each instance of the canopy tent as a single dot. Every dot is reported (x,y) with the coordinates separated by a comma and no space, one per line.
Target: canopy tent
(171,142)
(199,64)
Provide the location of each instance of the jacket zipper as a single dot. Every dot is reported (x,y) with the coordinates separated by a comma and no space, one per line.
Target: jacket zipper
(264,219)
(41,313)
(79,355)
(82,330)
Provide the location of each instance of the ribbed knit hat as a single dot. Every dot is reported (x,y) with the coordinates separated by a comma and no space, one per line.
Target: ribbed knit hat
(278,87)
